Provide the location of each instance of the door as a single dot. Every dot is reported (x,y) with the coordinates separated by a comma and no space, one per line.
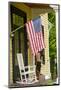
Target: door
(19,39)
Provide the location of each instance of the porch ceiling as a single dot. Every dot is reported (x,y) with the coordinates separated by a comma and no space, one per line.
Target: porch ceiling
(35,5)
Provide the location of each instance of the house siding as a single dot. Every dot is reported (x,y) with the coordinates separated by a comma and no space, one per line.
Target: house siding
(46,68)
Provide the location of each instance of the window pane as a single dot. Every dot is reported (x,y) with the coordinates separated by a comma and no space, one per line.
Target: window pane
(17,20)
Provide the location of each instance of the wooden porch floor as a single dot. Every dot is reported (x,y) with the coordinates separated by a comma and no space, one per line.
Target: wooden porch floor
(41,82)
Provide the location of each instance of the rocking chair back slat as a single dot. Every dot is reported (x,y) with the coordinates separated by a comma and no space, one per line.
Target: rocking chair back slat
(20,61)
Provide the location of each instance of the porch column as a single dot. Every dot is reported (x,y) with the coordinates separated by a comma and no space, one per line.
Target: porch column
(45,68)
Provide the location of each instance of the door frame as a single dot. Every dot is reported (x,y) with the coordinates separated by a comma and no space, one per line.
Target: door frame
(21,13)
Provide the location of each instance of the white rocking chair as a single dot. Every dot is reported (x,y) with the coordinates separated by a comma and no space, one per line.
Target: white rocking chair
(31,72)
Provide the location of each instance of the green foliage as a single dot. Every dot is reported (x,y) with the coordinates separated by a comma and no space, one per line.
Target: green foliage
(52,35)
(51,17)
(52,45)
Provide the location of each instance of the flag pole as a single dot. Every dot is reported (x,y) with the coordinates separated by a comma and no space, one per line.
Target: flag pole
(11,33)
(17,29)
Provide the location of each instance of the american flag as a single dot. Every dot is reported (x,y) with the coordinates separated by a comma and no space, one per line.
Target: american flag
(34,31)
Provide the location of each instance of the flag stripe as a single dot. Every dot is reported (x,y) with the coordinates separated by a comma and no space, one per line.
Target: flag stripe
(42,40)
(31,36)
(37,41)
(28,31)
(35,36)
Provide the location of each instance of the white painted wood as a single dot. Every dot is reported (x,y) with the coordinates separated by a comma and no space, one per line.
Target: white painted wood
(31,70)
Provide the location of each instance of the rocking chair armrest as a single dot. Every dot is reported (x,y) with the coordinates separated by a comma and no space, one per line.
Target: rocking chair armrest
(26,67)
(29,66)
(33,66)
